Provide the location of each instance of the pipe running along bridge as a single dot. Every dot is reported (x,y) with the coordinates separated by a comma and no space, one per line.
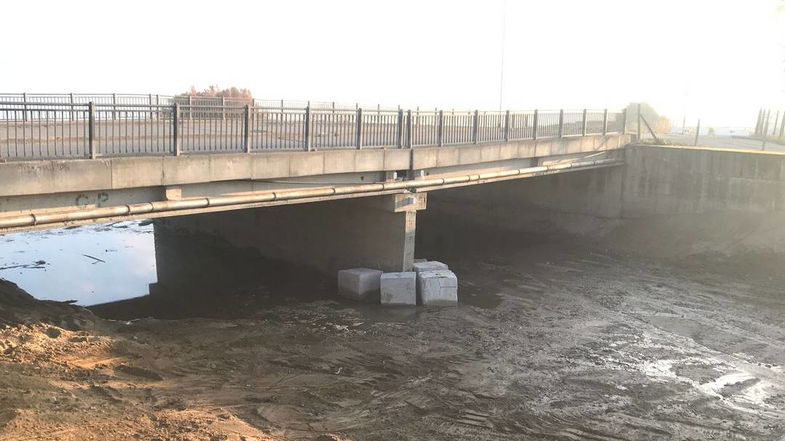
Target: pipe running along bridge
(339,186)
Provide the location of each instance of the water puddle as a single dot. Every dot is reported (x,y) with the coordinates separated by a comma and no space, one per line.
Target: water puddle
(89,264)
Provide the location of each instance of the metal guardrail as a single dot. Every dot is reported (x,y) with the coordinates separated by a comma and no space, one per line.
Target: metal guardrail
(191,100)
(770,124)
(68,129)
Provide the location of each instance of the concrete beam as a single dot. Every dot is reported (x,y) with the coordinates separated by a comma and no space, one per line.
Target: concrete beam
(55,176)
(455,156)
(325,236)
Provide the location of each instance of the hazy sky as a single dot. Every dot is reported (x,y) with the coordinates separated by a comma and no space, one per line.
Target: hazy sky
(716,59)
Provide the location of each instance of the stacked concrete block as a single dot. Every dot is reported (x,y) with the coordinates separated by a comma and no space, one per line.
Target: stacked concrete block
(399,288)
(359,283)
(437,287)
(432,265)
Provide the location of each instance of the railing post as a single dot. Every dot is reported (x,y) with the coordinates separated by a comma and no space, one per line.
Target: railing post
(91,130)
(507,126)
(534,124)
(624,121)
(639,122)
(359,128)
(223,108)
(604,122)
(757,123)
(175,124)
(246,128)
(399,138)
(561,123)
(584,121)
(150,101)
(114,106)
(409,129)
(308,128)
(476,128)
(762,122)
(440,130)
(24,106)
(782,124)
(697,132)
(71,115)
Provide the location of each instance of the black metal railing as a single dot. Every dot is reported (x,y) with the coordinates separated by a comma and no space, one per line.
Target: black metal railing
(68,128)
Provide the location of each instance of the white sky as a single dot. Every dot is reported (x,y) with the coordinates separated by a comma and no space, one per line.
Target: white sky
(717,59)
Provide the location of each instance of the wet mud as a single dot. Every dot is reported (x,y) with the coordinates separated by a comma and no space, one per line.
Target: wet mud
(554,339)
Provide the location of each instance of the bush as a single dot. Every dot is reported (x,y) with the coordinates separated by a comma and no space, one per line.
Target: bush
(216,92)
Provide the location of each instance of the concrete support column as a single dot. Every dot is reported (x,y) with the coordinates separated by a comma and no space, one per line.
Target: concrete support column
(374,232)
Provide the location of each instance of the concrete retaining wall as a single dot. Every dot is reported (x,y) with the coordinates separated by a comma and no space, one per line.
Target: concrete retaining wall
(680,180)
(665,201)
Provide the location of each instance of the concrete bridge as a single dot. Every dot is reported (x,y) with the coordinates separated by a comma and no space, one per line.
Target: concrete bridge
(352,180)
(351,202)
(331,187)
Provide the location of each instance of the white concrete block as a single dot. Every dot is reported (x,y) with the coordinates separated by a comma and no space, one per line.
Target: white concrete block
(437,288)
(359,283)
(399,288)
(428,266)
(420,260)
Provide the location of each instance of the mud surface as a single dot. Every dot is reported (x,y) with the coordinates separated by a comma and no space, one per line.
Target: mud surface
(552,340)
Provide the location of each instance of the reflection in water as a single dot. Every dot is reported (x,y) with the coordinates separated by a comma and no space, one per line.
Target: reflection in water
(89,264)
(110,267)
(203,276)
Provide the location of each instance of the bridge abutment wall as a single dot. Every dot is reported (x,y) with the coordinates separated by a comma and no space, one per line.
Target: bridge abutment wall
(662,180)
(663,202)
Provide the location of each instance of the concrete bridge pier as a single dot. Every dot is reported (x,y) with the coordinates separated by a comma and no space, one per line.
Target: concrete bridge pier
(375,232)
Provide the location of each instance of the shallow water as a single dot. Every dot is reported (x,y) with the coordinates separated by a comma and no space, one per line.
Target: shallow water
(89,264)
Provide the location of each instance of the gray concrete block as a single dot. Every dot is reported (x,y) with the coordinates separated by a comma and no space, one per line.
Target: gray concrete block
(437,288)
(428,266)
(420,260)
(359,283)
(399,288)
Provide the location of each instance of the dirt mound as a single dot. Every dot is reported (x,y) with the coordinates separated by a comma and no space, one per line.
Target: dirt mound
(66,374)
(17,307)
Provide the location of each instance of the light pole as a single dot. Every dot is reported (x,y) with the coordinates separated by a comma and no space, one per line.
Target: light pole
(501,67)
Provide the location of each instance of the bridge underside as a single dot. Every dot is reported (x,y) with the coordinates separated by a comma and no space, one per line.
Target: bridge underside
(380,231)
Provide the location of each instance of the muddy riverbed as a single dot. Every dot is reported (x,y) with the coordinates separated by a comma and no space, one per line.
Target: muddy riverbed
(553,339)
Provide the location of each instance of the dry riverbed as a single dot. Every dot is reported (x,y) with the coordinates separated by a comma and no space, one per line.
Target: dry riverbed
(549,342)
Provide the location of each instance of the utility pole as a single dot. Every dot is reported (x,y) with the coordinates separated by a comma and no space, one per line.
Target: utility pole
(501,67)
